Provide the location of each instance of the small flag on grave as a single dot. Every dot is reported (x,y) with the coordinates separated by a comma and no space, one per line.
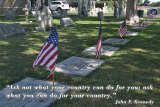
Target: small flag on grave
(99,44)
(49,53)
(123,29)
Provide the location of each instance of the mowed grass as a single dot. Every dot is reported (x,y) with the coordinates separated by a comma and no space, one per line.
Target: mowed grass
(134,64)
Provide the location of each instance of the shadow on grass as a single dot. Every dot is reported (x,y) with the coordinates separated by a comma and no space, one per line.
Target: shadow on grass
(135,64)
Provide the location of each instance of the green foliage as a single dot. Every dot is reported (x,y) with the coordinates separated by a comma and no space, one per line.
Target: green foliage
(100,4)
(110,4)
(146,1)
(155,4)
(140,1)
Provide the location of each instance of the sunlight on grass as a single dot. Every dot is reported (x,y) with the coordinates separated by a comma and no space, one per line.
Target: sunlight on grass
(137,63)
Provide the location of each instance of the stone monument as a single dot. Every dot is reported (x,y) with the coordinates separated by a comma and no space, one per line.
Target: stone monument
(7,30)
(9,14)
(78,66)
(116,41)
(106,50)
(64,19)
(31,92)
(26,10)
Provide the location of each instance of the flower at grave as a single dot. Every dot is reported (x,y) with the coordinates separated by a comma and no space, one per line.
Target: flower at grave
(49,53)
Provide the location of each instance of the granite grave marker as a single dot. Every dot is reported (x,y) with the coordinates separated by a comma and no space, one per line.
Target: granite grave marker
(36,96)
(131,33)
(116,41)
(78,66)
(106,50)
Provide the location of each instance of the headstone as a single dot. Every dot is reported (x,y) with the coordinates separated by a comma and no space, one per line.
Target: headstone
(63,13)
(132,33)
(66,22)
(17,28)
(36,99)
(2,33)
(78,66)
(136,27)
(100,16)
(26,10)
(116,41)
(9,14)
(6,30)
(11,29)
(106,50)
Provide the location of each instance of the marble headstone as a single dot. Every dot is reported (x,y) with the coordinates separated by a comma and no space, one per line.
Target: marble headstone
(2,33)
(106,50)
(11,29)
(9,14)
(132,33)
(78,66)
(40,97)
(137,27)
(66,22)
(116,41)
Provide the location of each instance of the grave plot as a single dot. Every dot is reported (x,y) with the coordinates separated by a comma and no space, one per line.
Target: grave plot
(31,92)
(131,33)
(106,50)
(137,27)
(11,30)
(116,41)
(78,66)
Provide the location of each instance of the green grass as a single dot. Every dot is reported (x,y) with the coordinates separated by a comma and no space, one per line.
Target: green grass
(135,64)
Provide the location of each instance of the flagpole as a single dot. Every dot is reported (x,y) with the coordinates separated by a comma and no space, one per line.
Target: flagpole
(99,54)
(53,81)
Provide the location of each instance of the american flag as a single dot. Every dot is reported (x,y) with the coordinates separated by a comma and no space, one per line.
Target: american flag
(99,44)
(49,53)
(123,29)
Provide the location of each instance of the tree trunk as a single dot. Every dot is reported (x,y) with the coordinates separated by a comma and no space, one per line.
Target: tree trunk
(79,7)
(131,9)
(116,6)
(83,8)
(121,8)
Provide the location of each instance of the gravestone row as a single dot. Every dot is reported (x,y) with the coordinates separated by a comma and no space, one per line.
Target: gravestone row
(7,30)
(74,66)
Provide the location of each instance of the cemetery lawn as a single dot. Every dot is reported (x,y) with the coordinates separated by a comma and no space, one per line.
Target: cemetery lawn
(134,64)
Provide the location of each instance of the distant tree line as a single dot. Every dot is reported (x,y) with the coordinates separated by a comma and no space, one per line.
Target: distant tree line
(99,4)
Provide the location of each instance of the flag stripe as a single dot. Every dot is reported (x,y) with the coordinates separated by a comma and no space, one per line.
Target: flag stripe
(51,58)
(99,44)
(44,54)
(48,55)
(52,61)
(44,47)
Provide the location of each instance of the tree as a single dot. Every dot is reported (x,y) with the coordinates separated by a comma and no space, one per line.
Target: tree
(131,9)
(121,8)
(83,7)
(140,1)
